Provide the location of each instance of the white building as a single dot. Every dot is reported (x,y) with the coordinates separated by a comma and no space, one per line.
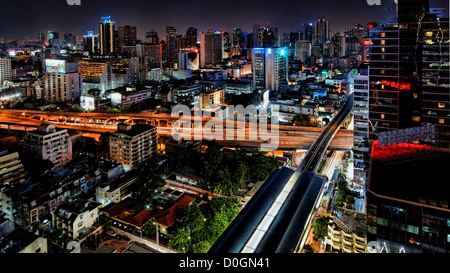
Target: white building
(5,70)
(61,81)
(75,218)
(49,143)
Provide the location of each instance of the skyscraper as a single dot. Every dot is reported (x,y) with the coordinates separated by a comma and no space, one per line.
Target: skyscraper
(91,42)
(5,70)
(61,80)
(171,45)
(308,32)
(270,67)
(211,47)
(127,36)
(321,32)
(106,36)
(191,37)
(151,37)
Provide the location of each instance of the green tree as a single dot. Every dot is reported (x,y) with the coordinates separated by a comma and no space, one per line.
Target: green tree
(149,228)
(179,239)
(321,227)
(201,247)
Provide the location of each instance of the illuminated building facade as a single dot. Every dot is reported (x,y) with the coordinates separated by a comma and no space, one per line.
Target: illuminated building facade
(133,144)
(61,80)
(270,67)
(409,77)
(90,42)
(96,75)
(106,36)
(5,70)
(127,36)
(49,143)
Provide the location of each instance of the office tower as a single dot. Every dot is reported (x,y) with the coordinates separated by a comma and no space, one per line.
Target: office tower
(227,42)
(249,43)
(409,86)
(61,80)
(171,45)
(339,45)
(5,70)
(361,150)
(270,67)
(127,36)
(188,59)
(191,37)
(257,35)
(321,31)
(238,38)
(308,32)
(106,36)
(151,37)
(49,143)
(435,82)
(302,50)
(206,48)
(407,206)
(133,144)
(218,47)
(90,42)
(270,37)
(153,56)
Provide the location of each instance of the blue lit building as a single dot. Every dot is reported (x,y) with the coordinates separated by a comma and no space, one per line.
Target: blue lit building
(270,67)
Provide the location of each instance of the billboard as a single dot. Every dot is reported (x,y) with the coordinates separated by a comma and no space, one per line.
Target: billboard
(116,98)
(55,66)
(87,103)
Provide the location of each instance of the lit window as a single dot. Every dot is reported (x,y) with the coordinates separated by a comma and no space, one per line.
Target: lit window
(429,42)
(429,33)
(416,118)
(415,95)
(383,42)
(382,116)
(441,121)
(441,105)
(383,49)
(383,34)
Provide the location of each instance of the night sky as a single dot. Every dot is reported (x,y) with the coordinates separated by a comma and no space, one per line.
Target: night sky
(20,18)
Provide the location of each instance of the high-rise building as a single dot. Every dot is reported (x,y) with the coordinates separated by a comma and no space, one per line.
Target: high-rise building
(409,72)
(270,37)
(151,37)
(191,37)
(91,42)
(302,50)
(5,70)
(210,47)
(171,45)
(361,150)
(308,32)
(49,143)
(106,36)
(321,31)
(133,144)
(61,80)
(270,67)
(127,36)
(339,45)
(41,37)
(153,56)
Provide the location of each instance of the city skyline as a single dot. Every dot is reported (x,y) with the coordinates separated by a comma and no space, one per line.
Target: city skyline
(24,21)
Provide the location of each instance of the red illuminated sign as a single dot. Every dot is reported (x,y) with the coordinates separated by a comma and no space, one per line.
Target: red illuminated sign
(401,86)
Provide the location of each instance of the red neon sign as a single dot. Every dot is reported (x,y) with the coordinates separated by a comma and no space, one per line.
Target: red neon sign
(401,86)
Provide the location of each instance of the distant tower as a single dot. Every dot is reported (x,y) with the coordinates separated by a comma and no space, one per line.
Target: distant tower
(106,36)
